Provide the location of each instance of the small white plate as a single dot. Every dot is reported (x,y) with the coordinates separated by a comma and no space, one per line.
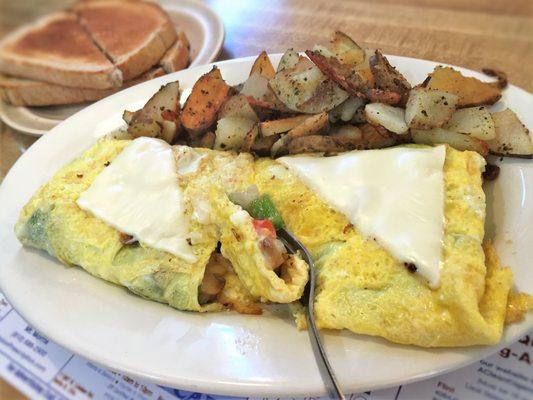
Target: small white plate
(203,27)
(228,353)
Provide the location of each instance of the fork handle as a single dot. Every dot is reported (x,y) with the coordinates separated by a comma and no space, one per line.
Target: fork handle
(328,376)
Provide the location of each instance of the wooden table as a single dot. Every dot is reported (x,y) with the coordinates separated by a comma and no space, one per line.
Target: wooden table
(474,34)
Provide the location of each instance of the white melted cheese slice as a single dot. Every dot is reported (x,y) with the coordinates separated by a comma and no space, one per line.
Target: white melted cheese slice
(138,194)
(393,195)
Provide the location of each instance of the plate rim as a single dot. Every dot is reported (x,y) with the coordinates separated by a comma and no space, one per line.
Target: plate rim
(223,387)
(206,14)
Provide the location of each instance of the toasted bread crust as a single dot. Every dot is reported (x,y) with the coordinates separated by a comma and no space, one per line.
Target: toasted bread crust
(178,56)
(25,92)
(134,36)
(56,49)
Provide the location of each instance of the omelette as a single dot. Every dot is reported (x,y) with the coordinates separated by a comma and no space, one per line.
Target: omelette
(361,287)
(54,222)
(66,217)
(223,257)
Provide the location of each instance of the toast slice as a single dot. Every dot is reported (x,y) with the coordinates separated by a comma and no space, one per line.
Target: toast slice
(178,56)
(133,34)
(57,49)
(27,92)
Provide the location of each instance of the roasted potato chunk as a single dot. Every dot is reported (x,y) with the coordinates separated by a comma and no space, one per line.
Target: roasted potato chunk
(349,131)
(364,70)
(310,126)
(361,68)
(345,62)
(346,50)
(260,95)
(237,106)
(305,89)
(279,148)
(388,78)
(326,96)
(277,126)
(159,117)
(263,66)
(456,140)
(231,131)
(148,127)
(474,121)
(512,137)
(256,86)
(321,144)
(376,137)
(429,108)
(343,75)
(389,117)
(370,138)
(267,111)
(501,77)
(207,96)
(207,140)
(288,60)
(262,145)
(249,139)
(127,116)
(471,91)
(383,96)
(346,110)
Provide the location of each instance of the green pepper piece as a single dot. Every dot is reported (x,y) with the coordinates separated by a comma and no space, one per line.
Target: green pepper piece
(263,208)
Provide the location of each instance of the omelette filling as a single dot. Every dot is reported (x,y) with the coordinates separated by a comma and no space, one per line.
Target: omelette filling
(260,263)
(274,251)
(220,286)
(213,281)
(268,219)
(247,226)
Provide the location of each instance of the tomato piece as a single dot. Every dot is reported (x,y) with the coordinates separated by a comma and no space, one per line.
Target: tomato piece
(264,227)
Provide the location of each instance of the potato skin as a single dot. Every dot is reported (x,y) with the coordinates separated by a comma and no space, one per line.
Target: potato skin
(471,91)
(263,66)
(371,138)
(341,74)
(201,108)
(159,117)
(311,126)
(277,126)
(388,78)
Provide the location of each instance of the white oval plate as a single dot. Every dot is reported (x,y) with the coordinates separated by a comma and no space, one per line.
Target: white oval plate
(226,353)
(203,27)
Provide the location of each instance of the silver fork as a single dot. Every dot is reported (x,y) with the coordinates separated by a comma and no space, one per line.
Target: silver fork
(328,376)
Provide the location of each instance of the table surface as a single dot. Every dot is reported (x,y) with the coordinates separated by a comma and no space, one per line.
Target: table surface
(473,34)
